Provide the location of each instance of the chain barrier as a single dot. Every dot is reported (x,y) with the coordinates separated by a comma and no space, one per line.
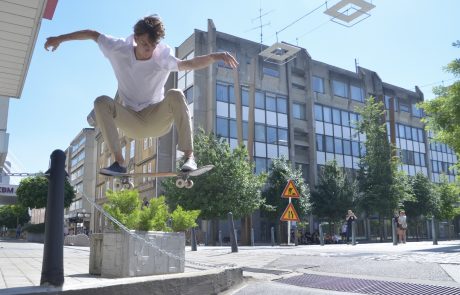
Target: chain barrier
(24,174)
(149,243)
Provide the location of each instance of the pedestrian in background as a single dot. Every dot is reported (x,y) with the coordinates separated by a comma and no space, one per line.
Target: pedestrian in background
(349,219)
(402,226)
(18,231)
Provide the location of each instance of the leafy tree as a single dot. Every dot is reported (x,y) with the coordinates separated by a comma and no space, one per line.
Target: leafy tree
(377,174)
(124,206)
(32,192)
(443,112)
(155,216)
(12,215)
(333,194)
(425,202)
(448,196)
(230,187)
(280,173)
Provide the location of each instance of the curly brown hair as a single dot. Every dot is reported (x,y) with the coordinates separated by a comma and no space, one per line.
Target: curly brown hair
(153,26)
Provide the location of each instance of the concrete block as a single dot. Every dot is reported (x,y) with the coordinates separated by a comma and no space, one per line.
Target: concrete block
(123,255)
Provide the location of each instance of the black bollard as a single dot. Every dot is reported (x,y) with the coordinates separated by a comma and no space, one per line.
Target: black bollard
(393,232)
(272,234)
(252,236)
(321,234)
(220,238)
(434,232)
(353,233)
(53,251)
(193,239)
(232,233)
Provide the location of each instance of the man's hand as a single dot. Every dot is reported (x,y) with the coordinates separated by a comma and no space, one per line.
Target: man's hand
(227,58)
(52,42)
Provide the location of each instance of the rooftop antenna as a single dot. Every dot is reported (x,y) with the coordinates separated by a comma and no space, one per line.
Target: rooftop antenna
(261,24)
(356,65)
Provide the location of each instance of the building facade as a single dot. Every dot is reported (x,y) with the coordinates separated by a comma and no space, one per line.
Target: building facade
(302,109)
(81,168)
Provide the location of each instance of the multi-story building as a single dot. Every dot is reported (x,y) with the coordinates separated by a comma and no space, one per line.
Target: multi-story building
(303,109)
(81,168)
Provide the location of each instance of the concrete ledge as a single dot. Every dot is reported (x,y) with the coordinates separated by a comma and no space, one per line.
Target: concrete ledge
(200,282)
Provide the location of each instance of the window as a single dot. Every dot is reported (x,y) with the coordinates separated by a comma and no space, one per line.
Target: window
(222,127)
(271,70)
(414,134)
(346,147)
(260,100)
(146,143)
(338,146)
(298,111)
(357,93)
(416,112)
(336,116)
(404,108)
(261,165)
(272,136)
(282,136)
(233,129)
(132,149)
(355,148)
(259,132)
(245,97)
(346,118)
(317,84)
(340,88)
(327,114)
(329,144)
(281,104)
(271,103)
(319,143)
(222,93)
(318,112)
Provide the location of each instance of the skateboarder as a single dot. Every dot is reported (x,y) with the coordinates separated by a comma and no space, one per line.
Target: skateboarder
(141,109)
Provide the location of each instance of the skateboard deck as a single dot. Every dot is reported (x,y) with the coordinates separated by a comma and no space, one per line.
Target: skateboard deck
(181,181)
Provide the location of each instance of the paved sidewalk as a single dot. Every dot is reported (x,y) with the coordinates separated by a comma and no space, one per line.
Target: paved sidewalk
(414,262)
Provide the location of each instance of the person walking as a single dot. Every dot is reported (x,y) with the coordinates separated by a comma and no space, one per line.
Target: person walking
(349,219)
(402,226)
(142,64)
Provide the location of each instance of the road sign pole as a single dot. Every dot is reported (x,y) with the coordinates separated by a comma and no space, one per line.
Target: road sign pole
(289,229)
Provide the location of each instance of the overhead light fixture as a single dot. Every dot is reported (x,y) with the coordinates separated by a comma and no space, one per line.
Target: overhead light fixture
(350,12)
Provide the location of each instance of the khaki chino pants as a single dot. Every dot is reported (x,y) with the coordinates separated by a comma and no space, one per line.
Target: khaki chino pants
(153,121)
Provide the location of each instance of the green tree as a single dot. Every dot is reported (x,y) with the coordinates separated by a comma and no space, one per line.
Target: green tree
(279,174)
(448,196)
(443,112)
(124,206)
(425,201)
(377,174)
(333,194)
(32,192)
(230,187)
(12,215)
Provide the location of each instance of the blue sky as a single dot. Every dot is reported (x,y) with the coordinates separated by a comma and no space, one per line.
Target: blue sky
(406,42)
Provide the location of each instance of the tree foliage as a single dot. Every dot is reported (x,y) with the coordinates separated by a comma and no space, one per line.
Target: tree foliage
(127,208)
(333,194)
(280,173)
(32,192)
(448,197)
(443,112)
(12,215)
(230,187)
(376,177)
(425,202)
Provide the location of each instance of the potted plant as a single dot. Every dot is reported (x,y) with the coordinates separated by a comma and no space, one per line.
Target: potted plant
(149,247)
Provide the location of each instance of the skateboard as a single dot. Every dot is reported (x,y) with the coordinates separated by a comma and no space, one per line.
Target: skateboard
(183,177)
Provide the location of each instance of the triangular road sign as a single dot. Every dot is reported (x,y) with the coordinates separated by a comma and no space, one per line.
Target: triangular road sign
(290,214)
(290,191)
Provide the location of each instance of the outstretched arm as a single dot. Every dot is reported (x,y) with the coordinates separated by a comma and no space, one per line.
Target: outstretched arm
(54,42)
(200,62)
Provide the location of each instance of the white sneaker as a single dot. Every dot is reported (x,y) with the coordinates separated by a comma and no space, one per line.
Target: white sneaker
(189,165)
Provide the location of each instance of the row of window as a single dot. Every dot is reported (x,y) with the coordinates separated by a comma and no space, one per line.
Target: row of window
(339,88)
(330,144)
(263,100)
(80,143)
(408,132)
(336,116)
(440,147)
(77,159)
(442,167)
(399,106)
(412,158)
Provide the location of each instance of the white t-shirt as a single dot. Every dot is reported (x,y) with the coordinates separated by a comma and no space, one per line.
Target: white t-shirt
(140,82)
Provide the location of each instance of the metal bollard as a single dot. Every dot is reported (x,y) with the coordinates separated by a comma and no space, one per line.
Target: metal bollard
(434,232)
(321,234)
(220,238)
(252,236)
(353,233)
(53,252)
(272,233)
(193,239)
(232,233)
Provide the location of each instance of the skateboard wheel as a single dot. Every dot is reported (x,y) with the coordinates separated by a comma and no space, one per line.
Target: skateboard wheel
(189,183)
(180,183)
